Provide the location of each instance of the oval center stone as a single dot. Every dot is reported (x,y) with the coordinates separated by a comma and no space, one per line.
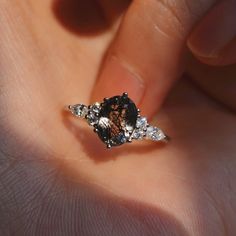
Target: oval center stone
(117,116)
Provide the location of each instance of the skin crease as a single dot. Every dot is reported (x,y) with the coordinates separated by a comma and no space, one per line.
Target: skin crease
(52,179)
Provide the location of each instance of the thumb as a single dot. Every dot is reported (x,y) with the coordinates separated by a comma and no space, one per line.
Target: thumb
(147,54)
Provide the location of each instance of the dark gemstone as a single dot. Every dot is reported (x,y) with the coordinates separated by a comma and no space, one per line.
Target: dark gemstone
(120,112)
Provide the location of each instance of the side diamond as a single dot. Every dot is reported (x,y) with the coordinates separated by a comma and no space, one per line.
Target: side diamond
(79,110)
(155,134)
(93,114)
(141,123)
(138,134)
(141,127)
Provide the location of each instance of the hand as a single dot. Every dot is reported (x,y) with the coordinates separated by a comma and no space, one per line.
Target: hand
(152,46)
(56,177)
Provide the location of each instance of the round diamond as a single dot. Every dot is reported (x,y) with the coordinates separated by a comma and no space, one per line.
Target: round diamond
(92,119)
(138,134)
(141,126)
(95,108)
(141,123)
(93,114)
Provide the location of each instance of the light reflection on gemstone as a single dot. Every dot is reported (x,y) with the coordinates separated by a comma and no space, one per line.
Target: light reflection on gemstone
(93,114)
(122,115)
(79,110)
(141,123)
(138,134)
(155,134)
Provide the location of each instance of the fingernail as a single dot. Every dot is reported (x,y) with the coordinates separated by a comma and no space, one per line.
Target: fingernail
(215,31)
(116,78)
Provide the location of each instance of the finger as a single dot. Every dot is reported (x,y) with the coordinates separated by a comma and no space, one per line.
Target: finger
(214,39)
(146,56)
(217,81)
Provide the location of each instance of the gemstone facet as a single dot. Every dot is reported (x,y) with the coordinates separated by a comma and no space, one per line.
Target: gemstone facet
(93,114)
(141,123)
(155,134)
(79,110)
(117,120)
(141,128)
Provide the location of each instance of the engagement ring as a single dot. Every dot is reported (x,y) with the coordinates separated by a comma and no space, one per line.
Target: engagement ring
(117,120)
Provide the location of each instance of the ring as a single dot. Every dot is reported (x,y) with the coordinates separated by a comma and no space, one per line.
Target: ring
(117,121)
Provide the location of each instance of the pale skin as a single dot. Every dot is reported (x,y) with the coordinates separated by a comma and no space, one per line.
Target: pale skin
(57,178)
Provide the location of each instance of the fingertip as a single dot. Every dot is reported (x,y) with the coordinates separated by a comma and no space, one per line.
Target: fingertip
(213,39)
(115,78)
(227,56)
